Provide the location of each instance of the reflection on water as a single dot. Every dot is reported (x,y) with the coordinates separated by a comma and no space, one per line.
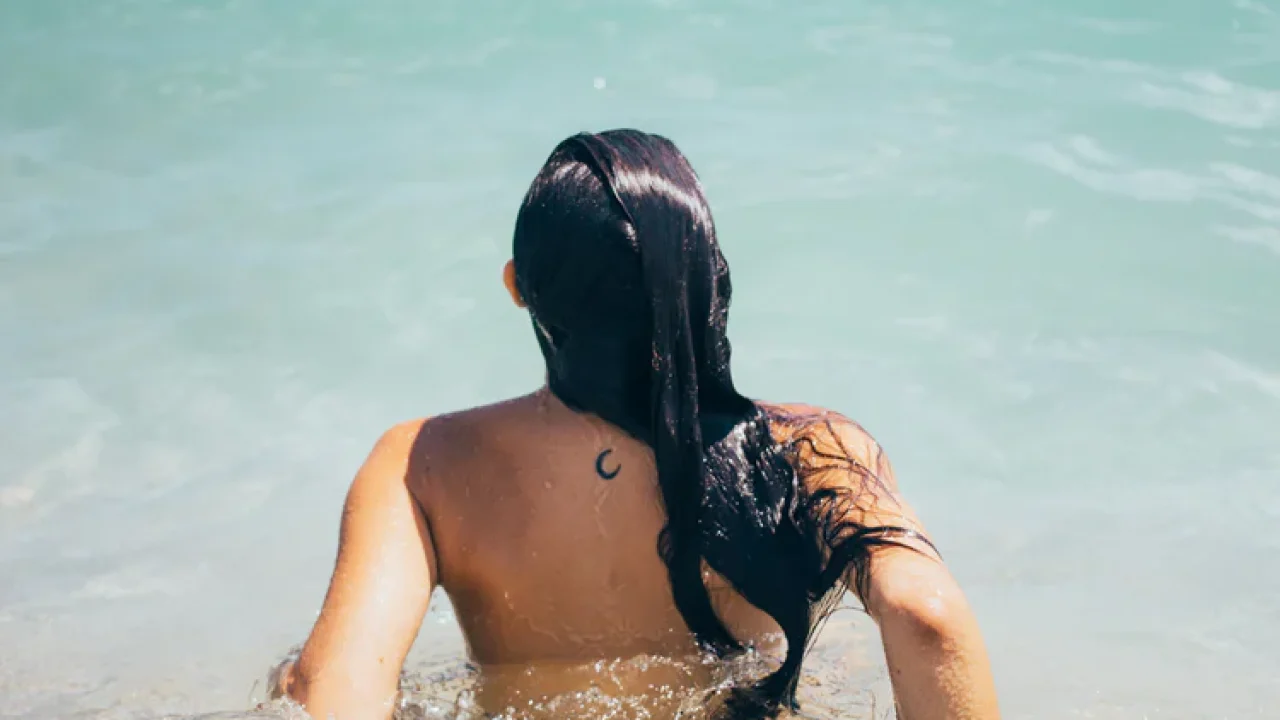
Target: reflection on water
(844,678)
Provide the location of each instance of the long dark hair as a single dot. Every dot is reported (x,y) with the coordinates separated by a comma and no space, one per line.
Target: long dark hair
(616,256)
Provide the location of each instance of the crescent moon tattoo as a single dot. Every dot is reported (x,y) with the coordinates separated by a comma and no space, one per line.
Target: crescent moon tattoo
(606,474)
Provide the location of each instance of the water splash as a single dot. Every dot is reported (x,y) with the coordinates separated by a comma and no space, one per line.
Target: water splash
(644,687)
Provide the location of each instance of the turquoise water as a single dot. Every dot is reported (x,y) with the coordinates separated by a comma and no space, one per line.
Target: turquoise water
(1033,247)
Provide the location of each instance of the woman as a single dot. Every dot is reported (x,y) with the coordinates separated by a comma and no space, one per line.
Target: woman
(638,504)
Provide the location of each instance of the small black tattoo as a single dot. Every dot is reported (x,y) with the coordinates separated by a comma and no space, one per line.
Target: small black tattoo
(606,474)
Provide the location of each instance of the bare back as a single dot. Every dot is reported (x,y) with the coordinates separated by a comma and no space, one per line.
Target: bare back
(545,525)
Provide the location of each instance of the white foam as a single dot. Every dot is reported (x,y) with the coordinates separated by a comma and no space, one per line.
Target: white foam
(1254,6)
(1117,27)
(1038,217)
(1150,185)
(1089,149)
(1211,97)
(65,460)
(126,584)
(1249,179)
(11,496)
(1116,66)
(1261,211)
(1263,236)
(1240,371)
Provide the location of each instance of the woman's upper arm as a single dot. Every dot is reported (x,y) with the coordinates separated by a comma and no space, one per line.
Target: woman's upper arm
(381,586)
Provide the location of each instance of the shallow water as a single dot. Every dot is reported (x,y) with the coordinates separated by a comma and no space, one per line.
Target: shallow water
(841,682)
(1033,247)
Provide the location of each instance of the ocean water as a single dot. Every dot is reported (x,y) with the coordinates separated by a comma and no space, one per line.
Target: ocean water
(1033,247)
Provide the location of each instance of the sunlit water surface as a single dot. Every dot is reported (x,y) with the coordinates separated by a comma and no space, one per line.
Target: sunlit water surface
(1033,247)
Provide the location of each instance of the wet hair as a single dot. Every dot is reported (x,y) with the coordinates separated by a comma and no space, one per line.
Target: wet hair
(616,256)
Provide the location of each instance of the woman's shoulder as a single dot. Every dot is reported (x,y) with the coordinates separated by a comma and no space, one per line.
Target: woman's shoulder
(819,430)
(461,429)
(831,451)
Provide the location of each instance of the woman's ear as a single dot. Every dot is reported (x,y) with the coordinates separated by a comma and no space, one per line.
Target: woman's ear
(509,279)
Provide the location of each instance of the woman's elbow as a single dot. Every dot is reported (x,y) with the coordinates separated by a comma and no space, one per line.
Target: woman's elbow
(935,618)
(919,598)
